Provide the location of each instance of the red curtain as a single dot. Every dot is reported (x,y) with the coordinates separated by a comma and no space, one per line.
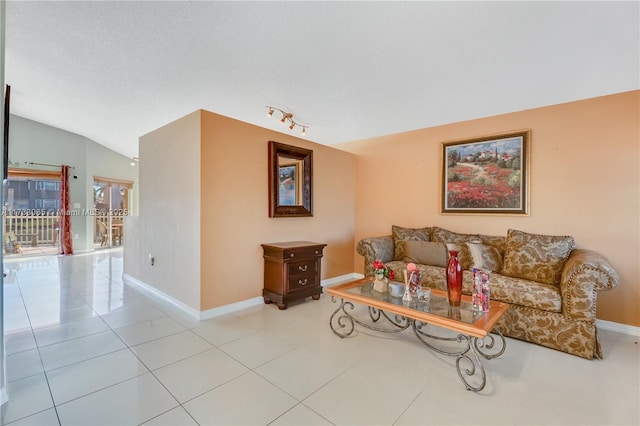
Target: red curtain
(66,242)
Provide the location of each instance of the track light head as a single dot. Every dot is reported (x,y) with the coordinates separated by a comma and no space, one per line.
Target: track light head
(270,113)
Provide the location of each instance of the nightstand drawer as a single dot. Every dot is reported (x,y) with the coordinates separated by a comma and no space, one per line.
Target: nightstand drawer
(302,281)
(307,267)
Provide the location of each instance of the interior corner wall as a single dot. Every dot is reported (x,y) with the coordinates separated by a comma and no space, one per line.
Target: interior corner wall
(235,207)
(584,182)
(168,225)
(31,141)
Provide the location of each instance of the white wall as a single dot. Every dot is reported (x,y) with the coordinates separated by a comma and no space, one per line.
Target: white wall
(168,226)
(31,141)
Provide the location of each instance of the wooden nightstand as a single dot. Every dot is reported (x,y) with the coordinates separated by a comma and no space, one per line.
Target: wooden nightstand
(291,271)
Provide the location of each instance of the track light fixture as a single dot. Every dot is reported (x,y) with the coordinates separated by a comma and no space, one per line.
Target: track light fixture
(287,116)
(133,160)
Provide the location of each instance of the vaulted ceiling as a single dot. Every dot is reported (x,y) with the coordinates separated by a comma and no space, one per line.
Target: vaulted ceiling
(113,71)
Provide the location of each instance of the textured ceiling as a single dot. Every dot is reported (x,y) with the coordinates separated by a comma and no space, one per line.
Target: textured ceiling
(113,71)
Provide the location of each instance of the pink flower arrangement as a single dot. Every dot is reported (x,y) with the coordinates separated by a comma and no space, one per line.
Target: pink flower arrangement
(379,268)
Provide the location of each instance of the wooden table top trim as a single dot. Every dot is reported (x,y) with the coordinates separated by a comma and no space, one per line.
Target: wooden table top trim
(480,328)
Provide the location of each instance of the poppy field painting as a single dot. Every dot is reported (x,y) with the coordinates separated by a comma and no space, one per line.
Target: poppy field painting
(484,175)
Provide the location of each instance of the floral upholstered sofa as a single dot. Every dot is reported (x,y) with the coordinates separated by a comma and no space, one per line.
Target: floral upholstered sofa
(549,284)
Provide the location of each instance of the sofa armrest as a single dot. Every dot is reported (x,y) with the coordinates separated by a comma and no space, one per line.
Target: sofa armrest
(584,273)
(375,248)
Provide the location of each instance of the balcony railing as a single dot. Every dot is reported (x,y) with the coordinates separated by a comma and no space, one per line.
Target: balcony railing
(32,231)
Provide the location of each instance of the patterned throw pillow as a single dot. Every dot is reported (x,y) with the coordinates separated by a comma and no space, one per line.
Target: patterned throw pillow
(424,252)
(482,256)
(535,257)
(399,234)
(446,236)
(499,242)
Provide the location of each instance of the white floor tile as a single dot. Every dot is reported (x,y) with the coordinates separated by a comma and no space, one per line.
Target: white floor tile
(258,348)
(72,351)
(69,331)
(19,341)
(23,364)
(149,330)
(167,350)
(300,415)
(198,374)
(177,416)
(44,418)
(304,370)
(223,330)
(27,396)
(125,316)
(359,397)
(129,403)
(81,378)
(246,400)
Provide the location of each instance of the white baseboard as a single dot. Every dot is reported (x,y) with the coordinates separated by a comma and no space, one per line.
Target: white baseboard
(230,308)
(619,328)
(330,282)
(154,292)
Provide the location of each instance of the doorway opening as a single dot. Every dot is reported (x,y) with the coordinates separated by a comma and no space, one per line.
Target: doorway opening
(111,205)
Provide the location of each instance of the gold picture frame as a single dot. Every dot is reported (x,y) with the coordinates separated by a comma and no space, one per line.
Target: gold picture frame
(486,175)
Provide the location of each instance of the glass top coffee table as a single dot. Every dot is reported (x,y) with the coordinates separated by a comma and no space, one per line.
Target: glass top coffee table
(474,338)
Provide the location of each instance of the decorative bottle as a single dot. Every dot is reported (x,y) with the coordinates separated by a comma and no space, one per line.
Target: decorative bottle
(454,279)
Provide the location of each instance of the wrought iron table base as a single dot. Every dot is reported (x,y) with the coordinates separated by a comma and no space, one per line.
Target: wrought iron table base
(468,361)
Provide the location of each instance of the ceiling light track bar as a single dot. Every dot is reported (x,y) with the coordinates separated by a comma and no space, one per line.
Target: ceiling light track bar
(287,117)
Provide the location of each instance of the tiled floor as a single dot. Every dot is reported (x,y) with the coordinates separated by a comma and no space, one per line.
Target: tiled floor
(82,348)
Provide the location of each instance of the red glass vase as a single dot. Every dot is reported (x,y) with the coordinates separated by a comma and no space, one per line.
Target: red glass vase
(454,279)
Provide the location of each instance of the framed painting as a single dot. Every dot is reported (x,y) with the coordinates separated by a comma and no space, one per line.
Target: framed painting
(486,175)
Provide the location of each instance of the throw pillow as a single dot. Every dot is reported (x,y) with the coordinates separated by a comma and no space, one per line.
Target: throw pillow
(446,236)
(536,257)
(400,234)
(499,242)
(424,252)
(482,256)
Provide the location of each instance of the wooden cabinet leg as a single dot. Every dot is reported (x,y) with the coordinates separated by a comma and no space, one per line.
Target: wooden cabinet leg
(316,297)
(282,306)
(267,301)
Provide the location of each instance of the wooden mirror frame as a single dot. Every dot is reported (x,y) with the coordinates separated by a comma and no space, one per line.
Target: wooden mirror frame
(305,157)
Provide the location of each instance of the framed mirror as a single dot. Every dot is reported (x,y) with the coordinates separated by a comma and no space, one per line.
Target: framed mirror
(290,176)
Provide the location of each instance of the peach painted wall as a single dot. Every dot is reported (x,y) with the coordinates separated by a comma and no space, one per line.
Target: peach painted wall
(584,182)
(168,225)
(234,215)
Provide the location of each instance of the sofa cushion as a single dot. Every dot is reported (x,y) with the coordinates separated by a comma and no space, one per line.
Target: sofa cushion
(482,256)
(400,234)
(424,252)
(526,293)
(536,257)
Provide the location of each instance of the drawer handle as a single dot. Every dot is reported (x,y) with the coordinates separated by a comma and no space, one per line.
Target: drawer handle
(317,252)
(291,255)
(302,282)
(302,268)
